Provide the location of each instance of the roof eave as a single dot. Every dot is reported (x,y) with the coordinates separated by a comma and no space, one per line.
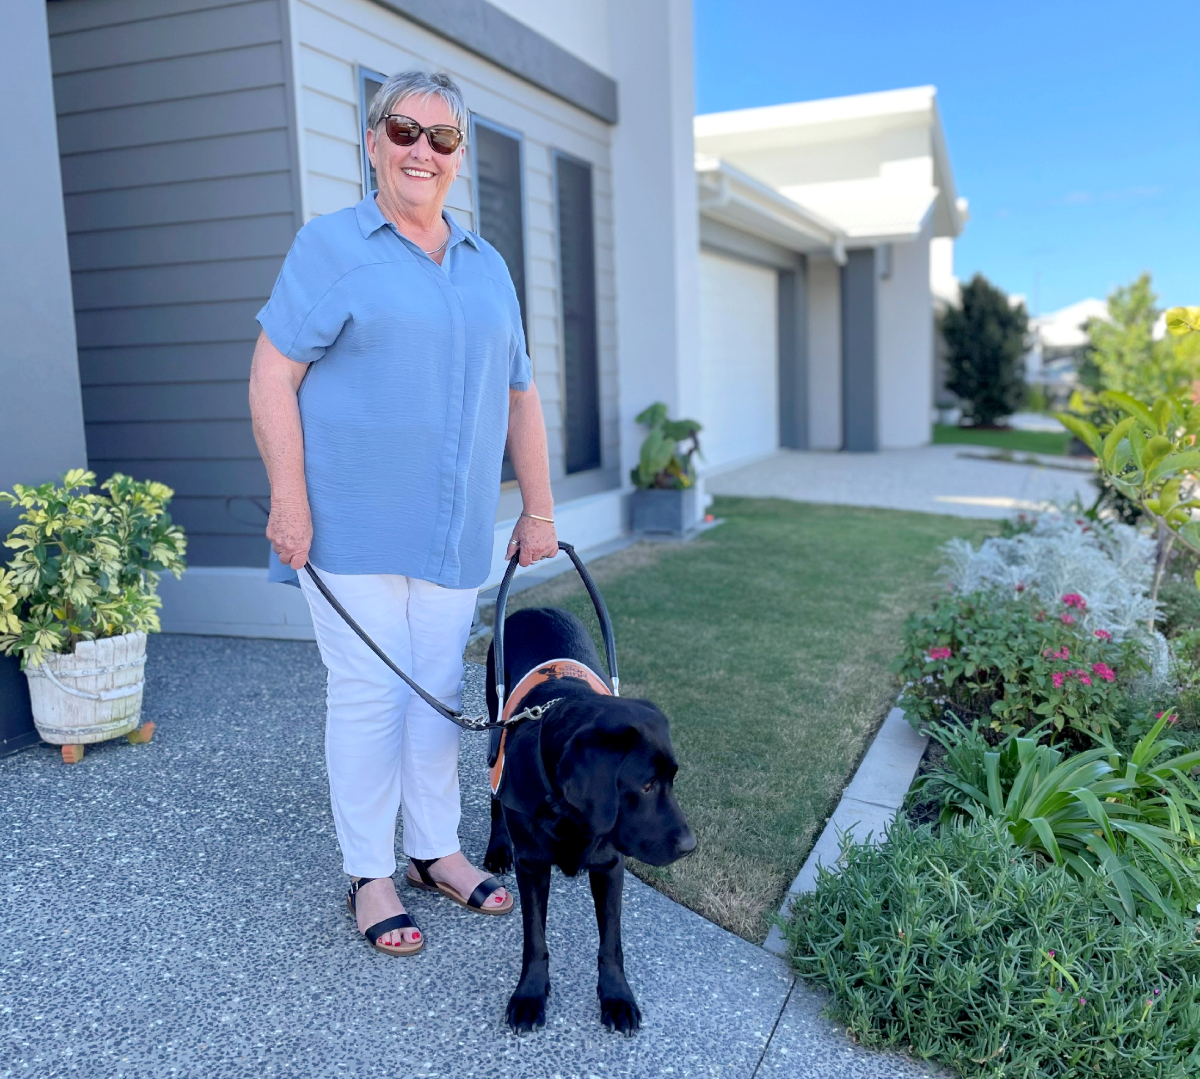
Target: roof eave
(728,194)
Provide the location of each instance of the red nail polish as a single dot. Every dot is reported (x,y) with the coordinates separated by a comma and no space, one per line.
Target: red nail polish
(416,936)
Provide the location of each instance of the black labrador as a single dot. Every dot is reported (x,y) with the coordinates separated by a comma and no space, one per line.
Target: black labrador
(602,790)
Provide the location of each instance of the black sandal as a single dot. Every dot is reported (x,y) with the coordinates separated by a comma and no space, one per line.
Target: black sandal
(396,921)
(473,902)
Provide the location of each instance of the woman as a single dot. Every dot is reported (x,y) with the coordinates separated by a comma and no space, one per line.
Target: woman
(390,368)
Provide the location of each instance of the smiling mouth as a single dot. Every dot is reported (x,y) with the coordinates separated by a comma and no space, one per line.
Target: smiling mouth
(419,174)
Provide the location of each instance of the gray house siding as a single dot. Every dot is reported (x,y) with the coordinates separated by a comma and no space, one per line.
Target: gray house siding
(180,187)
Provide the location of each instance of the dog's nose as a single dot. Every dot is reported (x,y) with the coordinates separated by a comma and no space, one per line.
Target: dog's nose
(687,843)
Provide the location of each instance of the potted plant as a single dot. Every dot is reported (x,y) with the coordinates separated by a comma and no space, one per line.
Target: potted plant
(664,499)
(79,597)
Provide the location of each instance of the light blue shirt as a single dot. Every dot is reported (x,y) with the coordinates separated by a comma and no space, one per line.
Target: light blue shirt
(405,404)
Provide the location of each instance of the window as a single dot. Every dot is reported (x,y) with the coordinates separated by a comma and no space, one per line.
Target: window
(577,275)
(500,209)
(499,199)
(369,83)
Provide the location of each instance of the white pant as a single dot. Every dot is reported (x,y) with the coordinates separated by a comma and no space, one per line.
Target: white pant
(384,746)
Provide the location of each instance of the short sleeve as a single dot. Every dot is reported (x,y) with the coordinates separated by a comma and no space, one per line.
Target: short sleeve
(304,315)
(520,372)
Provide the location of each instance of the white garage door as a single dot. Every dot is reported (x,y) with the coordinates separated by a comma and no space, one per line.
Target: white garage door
(739,361)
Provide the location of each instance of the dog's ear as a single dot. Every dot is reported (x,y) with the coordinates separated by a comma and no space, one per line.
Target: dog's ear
(587,773)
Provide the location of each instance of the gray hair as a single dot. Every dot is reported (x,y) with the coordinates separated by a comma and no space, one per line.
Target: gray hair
(418,84)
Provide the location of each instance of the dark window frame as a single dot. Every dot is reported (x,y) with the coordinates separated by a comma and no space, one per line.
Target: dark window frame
(596,462)
(474,123)
(365,75)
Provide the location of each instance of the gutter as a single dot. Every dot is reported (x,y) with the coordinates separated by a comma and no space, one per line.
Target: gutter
(723,187)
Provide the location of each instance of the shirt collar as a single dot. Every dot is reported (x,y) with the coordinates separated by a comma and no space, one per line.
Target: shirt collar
(371,220)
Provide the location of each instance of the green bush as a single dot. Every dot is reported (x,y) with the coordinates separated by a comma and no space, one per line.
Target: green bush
(1092,812)
(985,349)
(1015,665)
(87,564)
(961,946)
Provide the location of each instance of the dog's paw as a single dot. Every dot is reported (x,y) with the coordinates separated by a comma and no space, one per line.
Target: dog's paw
(526,1014)
(498,858)
(621,1015)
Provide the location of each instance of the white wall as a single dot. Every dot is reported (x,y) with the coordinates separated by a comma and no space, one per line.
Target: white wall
(580,28)
(739,352)
(333,36)
(657,224)
(824,354)
(905,343)
(41,418)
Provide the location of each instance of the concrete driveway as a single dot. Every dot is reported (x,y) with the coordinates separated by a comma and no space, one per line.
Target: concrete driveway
(955,480)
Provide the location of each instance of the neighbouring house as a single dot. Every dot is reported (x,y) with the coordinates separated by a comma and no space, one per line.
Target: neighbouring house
(1057,341)
(853,199)
(775,285)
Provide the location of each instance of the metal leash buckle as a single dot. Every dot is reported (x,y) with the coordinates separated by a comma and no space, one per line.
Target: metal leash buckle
(534,711)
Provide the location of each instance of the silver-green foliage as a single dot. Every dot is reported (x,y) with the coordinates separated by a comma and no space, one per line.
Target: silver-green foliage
(1110,565)
(962,946)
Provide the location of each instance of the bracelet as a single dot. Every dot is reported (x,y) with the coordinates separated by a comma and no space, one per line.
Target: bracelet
(534,516)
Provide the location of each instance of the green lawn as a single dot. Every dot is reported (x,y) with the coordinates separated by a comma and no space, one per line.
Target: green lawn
(767,643)
(1016,441)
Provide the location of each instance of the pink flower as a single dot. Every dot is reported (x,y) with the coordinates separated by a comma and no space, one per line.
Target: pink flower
(1057,678)
(1074,599)
(1104,671)
(1085,679)
(1020,586)
(1040,616)
(1103,634)
(1171,719)
(1068,619)
(940,653)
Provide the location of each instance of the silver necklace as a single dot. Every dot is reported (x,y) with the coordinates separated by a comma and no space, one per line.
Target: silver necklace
(441,245)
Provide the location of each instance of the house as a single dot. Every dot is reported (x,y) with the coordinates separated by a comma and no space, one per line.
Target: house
(774,285)
(858,193)
(193,139)
(1058,341)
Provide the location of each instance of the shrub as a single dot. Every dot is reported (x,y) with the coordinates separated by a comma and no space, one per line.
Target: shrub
(87,564)
(1014,664)
(1123,354)
(1088,812)
(1110,565)
(985,343)
(960,945)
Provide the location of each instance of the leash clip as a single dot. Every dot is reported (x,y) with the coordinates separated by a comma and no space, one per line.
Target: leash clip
(534,711)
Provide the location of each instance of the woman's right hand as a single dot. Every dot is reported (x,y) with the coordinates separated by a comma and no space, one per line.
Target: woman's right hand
(290,531)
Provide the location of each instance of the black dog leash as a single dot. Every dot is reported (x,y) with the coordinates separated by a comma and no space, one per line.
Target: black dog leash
(482,723)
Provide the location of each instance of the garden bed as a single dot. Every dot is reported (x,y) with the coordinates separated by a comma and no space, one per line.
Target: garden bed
(1033,911)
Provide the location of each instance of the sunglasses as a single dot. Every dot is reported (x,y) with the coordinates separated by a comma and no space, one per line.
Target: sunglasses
(404,131)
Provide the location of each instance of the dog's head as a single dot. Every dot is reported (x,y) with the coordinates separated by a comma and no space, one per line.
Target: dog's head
(617,772)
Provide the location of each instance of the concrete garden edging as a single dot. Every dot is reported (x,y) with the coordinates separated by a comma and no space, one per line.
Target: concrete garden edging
(868,806)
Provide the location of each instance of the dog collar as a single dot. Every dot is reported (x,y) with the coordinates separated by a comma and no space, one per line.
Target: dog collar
(545,672)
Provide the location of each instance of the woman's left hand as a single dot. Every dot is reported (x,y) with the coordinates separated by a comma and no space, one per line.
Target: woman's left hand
(536,539)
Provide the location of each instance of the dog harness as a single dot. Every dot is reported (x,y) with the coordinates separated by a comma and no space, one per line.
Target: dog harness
(545,672)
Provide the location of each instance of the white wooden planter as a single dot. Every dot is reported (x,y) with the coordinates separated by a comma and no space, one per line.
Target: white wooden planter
(91,695)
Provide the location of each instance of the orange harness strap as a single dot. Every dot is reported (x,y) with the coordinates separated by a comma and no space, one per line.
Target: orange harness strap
(545,672)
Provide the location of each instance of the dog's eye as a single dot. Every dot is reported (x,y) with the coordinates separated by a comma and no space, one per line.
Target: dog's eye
(648,787)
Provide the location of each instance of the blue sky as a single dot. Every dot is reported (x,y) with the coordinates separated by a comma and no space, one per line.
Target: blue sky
(1073,128)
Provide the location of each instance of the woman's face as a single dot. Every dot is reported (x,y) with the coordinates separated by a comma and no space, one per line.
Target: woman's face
(415,175)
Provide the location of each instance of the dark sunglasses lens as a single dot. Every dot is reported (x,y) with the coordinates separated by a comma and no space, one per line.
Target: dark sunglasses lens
(445,140)
(402,132)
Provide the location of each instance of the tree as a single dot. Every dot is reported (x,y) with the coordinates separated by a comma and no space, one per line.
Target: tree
(985,339)
(1123,355)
